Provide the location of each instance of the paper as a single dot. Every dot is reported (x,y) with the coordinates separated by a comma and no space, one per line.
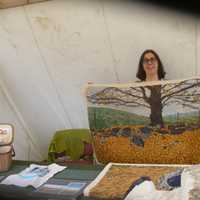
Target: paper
(69,188)
(75,186)
(35,175)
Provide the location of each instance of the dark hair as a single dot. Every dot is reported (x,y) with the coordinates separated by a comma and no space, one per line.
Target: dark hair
(141,74)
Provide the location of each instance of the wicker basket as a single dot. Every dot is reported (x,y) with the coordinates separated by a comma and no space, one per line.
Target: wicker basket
(6,148)
(5,158)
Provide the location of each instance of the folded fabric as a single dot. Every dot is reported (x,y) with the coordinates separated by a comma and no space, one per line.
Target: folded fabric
(147,191)
(170,181)
(190,182)
(137,182)
(71,143)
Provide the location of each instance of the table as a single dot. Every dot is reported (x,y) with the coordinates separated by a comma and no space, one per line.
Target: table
(85,173)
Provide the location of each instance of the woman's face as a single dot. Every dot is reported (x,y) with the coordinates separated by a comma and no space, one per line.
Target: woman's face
(150,64)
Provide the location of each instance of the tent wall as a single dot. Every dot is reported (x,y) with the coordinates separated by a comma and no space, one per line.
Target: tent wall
(14,3)
(50,50)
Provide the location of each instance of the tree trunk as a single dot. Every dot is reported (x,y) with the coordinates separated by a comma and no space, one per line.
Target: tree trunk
(156,106)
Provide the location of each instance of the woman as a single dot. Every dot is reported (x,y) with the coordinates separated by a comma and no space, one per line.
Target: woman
(150,67)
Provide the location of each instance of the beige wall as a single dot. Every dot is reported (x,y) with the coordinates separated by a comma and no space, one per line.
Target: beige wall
(50,50)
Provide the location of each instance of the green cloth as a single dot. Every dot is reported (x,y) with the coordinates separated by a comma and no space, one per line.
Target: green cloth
(70,141)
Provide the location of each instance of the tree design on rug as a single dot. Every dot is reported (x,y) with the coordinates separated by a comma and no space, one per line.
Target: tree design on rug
(154,98)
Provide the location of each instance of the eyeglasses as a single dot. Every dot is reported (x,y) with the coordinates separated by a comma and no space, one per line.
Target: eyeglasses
(152,60)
